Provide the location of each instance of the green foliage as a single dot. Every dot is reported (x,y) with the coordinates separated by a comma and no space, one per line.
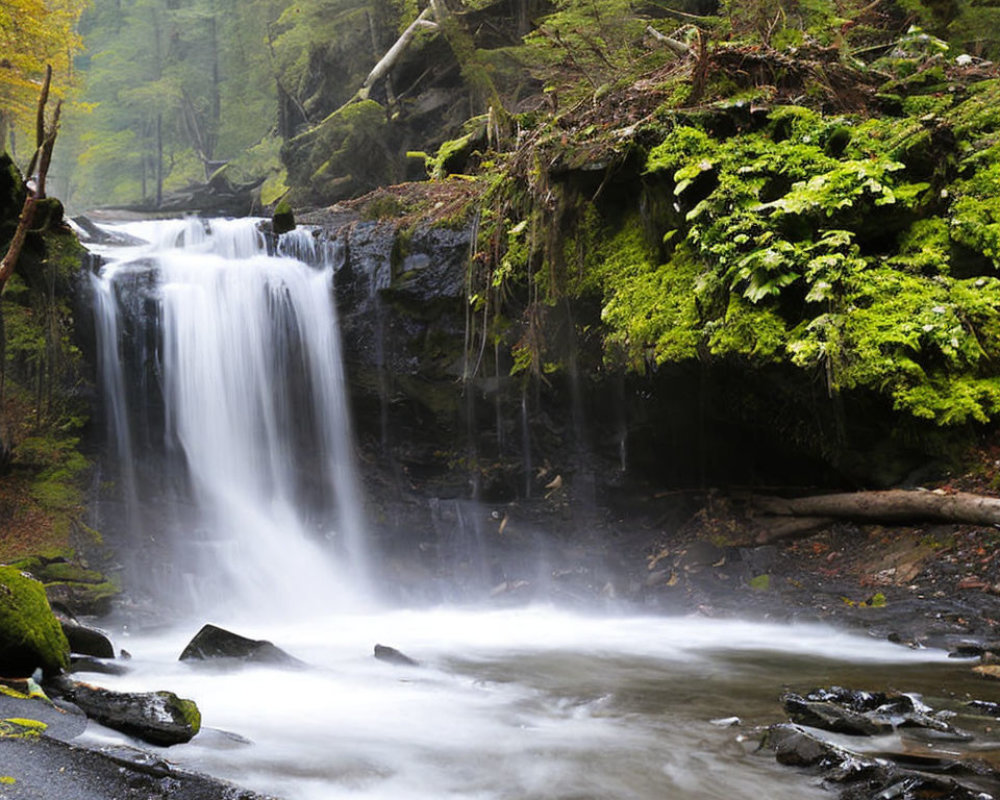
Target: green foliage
(594,41)
(761,583)
(345,155)
(778,249)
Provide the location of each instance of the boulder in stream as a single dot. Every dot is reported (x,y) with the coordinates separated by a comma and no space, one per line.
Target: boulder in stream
(879,746)
(213,642)
(393,656)
(86,641)
(862,713)
(160,718)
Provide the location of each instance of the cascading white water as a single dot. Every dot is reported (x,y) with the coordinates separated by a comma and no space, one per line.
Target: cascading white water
(224,393)
(247,359)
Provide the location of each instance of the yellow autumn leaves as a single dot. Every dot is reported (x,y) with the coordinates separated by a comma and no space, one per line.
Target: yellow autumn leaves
(34,33)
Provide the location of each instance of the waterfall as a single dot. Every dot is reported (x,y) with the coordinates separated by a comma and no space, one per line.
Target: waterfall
(254,433)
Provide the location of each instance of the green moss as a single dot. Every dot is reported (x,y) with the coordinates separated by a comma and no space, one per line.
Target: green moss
(186,710)
(30,635)
(344,155)
(84,598)
(16,728)
(761,583)
(385,206)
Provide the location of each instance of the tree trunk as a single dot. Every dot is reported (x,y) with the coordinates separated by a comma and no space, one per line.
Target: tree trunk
(895,505)
(42,157)
(159,160)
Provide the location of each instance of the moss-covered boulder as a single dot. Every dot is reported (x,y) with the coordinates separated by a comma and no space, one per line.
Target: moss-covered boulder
(70,583)
(30,634)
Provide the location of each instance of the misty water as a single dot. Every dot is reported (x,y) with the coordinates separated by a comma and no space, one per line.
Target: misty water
(220,364)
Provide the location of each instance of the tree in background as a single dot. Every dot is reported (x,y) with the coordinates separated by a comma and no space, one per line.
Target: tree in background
(33,34)
(173,89)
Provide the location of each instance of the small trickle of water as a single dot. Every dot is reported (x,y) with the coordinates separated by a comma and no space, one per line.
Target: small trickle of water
(249,378)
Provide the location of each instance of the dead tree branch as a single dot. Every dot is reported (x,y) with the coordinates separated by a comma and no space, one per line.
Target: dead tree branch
(42,157)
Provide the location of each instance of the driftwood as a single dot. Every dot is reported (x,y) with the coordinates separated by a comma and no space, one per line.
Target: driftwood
(895,505)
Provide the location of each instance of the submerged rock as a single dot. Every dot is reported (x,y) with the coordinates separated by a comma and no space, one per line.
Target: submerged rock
(160,718)
(393,656)
(213,642)
(30,635)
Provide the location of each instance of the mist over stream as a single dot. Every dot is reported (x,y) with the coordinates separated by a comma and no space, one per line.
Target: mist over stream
(227,417)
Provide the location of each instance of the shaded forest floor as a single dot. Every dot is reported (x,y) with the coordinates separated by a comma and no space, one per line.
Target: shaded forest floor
(933,584)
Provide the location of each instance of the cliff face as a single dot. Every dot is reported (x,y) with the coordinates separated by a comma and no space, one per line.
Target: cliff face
(45,407)
(479,472)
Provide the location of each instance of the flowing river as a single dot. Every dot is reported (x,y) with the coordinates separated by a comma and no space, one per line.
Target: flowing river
(517,704)
(224,396)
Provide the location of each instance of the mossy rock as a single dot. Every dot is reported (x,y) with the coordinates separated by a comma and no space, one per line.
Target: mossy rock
(160,718)
(283,220)
(30,635)
(85,591)
(64,572)
(91,599)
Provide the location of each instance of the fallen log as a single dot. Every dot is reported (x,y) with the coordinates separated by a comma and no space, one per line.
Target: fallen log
(893,505)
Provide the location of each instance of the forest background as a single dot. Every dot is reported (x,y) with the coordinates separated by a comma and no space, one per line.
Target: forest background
(799,194)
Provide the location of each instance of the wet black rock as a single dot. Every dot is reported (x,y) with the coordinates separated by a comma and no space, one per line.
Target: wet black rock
(986,707)
(794,747)
(86,641)
(89,231)
(283,219)
(867,713)
(904,765)
(392,656)
(831,717)
(213,642)
(160,718)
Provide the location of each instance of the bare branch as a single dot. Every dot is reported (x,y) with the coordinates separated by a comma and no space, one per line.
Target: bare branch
(388,61)
(43,99)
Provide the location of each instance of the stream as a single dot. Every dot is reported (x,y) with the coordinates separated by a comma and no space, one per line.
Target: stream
(224,399)
(519,703)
